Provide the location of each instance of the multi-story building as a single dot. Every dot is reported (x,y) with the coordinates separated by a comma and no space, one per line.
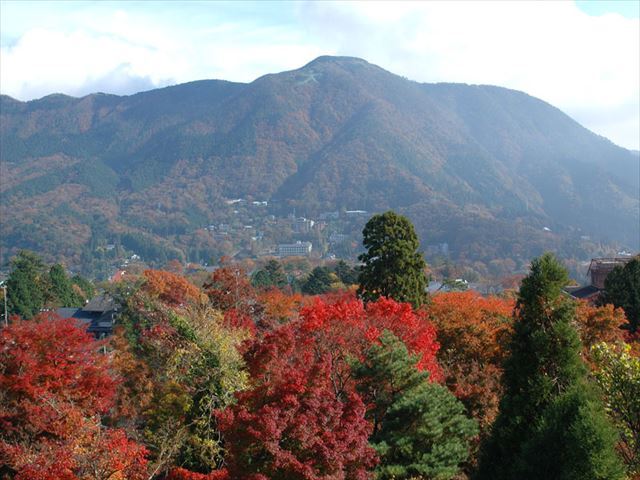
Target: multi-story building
(298,249)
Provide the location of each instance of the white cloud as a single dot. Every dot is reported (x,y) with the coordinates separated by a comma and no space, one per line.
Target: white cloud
(587,66)
(551,50)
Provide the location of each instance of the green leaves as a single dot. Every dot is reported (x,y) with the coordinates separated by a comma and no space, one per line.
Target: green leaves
(547,399)
(622,289)
(392,266)
(420,428)
(25,292)
(618,375)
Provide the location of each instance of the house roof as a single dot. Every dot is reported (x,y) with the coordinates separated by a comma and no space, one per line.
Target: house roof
(102,303)
(97,315)
(583,292)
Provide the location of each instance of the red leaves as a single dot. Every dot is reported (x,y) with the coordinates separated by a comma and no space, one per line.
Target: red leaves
(229,287)
(302,418)
(55,385)
(348,324)
(293,424)
(48,359)
(183,474)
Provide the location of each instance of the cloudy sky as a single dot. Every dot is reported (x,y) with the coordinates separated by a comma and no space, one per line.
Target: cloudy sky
(583,57)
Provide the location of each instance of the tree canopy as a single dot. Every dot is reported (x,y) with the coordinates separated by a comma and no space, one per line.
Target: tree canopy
(393,267)
(622,289)
(547,398)
(419,428)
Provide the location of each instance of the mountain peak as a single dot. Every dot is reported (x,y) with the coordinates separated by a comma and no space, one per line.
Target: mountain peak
(347,63)
(341,60)
(337,133)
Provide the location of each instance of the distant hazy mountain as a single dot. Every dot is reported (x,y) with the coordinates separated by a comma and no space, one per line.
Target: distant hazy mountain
(482,167)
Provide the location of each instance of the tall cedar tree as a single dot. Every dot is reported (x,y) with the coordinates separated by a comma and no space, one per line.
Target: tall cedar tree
(25,292)
(622,288)
(551,423)
(392,267)
(419,428)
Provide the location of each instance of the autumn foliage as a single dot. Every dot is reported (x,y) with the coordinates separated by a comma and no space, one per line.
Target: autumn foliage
(293,420)
(233,382)
(302,416)
(229,287)
(473,332)
(170,288)
(184,474)
(54,387)
(597,324)
(279,306)
(347,326)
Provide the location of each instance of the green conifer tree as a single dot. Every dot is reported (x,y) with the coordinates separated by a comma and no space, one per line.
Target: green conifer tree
(551,423)
(420,428)
(319,281)
(26,285)
(87,288)
(272,275)
(60,292)
(622,289)
(347,275)
(393,267)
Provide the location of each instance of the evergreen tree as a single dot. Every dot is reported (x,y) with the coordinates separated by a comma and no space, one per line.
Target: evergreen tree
(87,288)
(60,290)
(419,428)
(622,289)
(318,282)
(272,275)
(551,423)
(260,279)
(26,285)
(347,275)
(392,267)
(276,274)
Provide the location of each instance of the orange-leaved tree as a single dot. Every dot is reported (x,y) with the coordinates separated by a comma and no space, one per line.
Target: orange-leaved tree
(472,332)
(172,289)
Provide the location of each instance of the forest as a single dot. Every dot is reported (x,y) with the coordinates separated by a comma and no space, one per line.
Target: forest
(498,175)
(361,374)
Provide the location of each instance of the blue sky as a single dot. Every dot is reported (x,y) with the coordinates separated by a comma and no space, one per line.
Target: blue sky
(582,57)
(626,8)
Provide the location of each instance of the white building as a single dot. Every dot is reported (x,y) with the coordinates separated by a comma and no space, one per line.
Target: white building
(298,249)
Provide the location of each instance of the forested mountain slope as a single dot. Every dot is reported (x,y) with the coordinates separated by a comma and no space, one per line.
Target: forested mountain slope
(481,167)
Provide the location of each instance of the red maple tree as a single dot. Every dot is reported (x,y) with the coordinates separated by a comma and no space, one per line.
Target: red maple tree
(293,423)
(54,386)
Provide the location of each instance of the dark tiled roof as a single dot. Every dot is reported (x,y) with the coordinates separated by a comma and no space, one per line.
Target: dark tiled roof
(102,303)
(584,292)
(98,315)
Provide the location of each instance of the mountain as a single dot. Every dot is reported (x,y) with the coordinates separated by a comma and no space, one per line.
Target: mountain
(483,168)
